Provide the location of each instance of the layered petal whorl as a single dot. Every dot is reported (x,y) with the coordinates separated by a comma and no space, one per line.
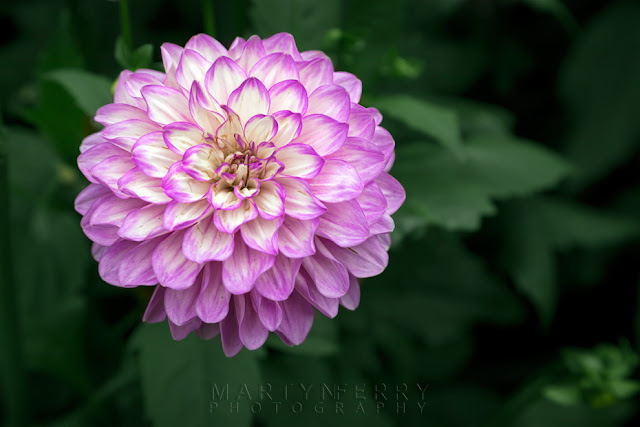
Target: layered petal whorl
(247,185)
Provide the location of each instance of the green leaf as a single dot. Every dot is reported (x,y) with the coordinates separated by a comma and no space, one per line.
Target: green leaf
(563,394)
(89,91)
(569,224)
(601,91)
(528,257)
(456,191)
(178,379)
(133,60)
(447,302)
(307,20)
(431,119)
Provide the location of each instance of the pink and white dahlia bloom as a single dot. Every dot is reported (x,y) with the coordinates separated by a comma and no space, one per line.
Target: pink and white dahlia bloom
(247,185)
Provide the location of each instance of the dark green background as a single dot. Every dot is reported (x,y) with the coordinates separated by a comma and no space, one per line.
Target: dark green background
(517,125)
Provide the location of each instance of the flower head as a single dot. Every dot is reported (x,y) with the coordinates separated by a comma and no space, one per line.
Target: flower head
(247,185)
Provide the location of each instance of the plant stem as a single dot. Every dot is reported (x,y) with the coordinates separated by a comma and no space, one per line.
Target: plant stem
(208,17)
(13,375)
(125,24)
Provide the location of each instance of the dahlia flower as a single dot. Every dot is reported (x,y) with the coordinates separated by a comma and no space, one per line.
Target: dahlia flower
(247,185)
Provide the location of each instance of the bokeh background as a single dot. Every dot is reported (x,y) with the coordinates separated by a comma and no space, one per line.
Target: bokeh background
(512,289)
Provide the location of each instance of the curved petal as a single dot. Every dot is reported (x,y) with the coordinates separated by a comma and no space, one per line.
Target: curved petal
(180,332)
(223,78)
(252,52)
(192,67)
(155,309)
(171,267)
(323,133)
(88,196)
(125,134)
(135,267)
(183,188)
(201,161)
(275,68)
(206,112)
(182,215)
(166,105)
(282,42)
(111,170)
(204,242)
(338,181)
(251,330)
(297,319)
(91,141)
(269,311)
(262,234)
(112,210)
(384,141)
(115,113)
(289,127)
(295,237)
(260,128)
(332,101)
(136,183)
(299,201)
(212,305)
(351,83)
(278,282)
(344,224)
(181,136)
(250,99)
(180,305)
(361,122)
(330,277)
(152,156)
(372,202)
(364,156)
(96,154)
(144,223)
(230,220)
(206,46)
(231,343)
(306,288)
(289,95)
(300,160)
(392,190)
(112,259)
(271,200)
(367,259)
(351,299)
(241,270)
(315,73)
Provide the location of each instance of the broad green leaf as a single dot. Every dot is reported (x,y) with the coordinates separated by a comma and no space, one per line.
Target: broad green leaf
(436,302)
(179,379)
(600,88)
(569,224)
(430,119)
(536,228)
(58,117)
(89,91)
(456,191)
(529,259)
(307,20)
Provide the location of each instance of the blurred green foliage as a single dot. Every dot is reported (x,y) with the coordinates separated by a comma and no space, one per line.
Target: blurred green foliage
(514,264)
